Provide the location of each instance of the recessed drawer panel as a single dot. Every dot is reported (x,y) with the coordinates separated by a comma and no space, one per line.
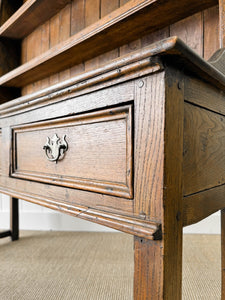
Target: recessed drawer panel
(91,151)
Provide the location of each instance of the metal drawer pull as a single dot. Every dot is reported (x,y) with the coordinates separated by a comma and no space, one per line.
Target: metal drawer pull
(55,148)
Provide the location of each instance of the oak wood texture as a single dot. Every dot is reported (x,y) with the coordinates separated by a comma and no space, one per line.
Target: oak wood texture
(119,26)
(33,13)
(204,141)
(148,260)
(161,278)
(106,7)
(78,105)
(190,30)
(149,114)
(135,65)
(99,144)
(154,205)
(127,224)
(173,184)
(77,17)
(209,21)
(90,81)
(92,15)
(203,149)
(29,16)
(129,117)
(91,95)
(171,46)
(201,205)
(211,31)
(204,95)
(132,170)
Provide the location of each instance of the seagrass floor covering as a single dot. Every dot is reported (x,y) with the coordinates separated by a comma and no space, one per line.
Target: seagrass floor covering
(95,266)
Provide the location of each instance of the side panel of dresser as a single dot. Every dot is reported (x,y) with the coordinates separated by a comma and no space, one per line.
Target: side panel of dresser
(204,144)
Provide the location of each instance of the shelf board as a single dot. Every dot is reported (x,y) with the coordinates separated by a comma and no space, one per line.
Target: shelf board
(131,21)
(29,16)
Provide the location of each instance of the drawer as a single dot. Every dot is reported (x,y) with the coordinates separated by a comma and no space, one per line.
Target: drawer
(90,151)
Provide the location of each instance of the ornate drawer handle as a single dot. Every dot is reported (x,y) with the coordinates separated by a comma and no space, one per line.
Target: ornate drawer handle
(55,148)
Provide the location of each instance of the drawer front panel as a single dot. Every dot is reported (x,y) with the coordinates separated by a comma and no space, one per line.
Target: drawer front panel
(98,151)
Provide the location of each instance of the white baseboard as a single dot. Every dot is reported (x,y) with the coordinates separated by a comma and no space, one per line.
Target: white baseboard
(35,220)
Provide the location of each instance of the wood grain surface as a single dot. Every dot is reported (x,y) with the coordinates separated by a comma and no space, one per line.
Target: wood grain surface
(99,155)
(148,146)
(190,30)
(204,141)
(201,205)
(204,95)
(145,133)
(148,260)
(211,31)
(29,16)
(69,52)
(160,194)
(96,101)
(173,184)
(78,18)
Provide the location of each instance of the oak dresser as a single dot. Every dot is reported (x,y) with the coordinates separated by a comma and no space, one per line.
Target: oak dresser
(134,143)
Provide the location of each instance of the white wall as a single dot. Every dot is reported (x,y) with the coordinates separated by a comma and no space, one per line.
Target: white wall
(34,217)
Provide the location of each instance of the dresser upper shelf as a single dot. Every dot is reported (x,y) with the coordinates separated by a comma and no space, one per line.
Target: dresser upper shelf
(29,16)
(127,23)
(35,12)
(170,51)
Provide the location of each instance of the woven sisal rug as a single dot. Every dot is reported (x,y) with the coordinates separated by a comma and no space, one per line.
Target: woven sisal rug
(95,266)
